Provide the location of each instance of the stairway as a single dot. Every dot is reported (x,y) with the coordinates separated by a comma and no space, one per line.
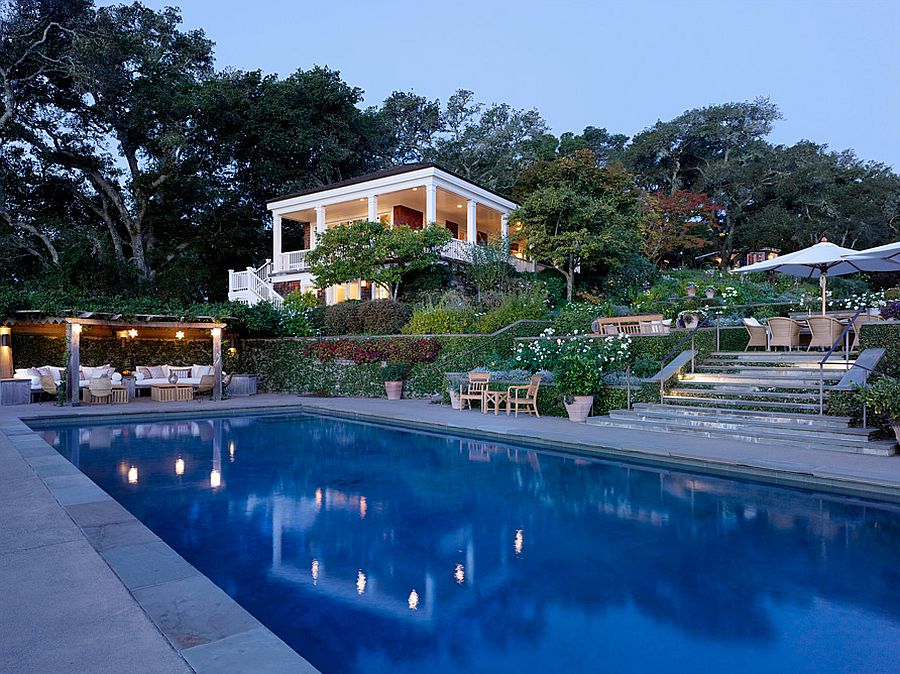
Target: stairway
(253,285)
(764,397)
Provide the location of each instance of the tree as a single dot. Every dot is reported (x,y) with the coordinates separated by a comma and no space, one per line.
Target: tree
(676,222)
(488,266)
(374,252)
(607,147)
(409,125)
(573,212)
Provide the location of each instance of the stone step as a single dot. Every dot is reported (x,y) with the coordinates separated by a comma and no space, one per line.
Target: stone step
(761,427)
(758,382)
(743,370)
(749,392)
(803,439)
(781,417)
(779,356)
(699,400)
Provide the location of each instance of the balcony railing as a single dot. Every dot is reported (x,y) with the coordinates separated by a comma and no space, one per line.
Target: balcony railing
(457,249)
(294,260)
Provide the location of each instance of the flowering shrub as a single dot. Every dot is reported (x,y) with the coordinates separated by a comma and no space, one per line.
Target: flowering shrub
(866,299)
(298,314)
(375,350)
(891,310)
(544,353)
(577,374)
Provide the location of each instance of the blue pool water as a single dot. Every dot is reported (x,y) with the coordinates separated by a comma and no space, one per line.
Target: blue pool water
(372,549)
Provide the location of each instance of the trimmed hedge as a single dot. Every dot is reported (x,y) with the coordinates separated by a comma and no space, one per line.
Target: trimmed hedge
(39,350)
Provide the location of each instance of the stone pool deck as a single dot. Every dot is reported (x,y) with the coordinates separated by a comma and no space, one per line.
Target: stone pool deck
(87,588)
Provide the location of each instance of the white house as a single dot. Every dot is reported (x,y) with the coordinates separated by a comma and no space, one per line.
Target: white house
(413,195)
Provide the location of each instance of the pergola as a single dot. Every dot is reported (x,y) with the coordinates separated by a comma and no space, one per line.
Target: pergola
(108,325)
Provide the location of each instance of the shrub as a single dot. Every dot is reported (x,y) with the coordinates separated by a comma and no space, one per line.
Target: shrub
(343,319)
(575,318)
(383,317)
(362,351)
(439,320)
(578,374)
(393,372)
(544,353)
(529,304)
(883,398)
(891,310)
(298,314)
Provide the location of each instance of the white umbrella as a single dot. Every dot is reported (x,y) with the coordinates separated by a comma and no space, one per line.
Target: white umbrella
(824,257)
(880,258)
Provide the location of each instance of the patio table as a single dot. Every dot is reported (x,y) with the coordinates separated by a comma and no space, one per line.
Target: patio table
(494,397)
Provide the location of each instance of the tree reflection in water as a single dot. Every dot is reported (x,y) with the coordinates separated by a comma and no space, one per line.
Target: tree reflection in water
(374,549)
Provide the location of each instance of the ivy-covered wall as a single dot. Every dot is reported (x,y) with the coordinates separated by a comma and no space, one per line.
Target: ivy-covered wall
(39,350)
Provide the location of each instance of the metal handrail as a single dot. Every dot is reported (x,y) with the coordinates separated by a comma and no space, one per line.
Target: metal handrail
(845,337)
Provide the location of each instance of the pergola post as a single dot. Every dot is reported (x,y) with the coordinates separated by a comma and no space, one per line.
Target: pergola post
(6,359)
(73,366)
(217,363)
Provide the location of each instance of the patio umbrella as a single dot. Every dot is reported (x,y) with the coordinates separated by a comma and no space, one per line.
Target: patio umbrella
(823,259)
(880,258)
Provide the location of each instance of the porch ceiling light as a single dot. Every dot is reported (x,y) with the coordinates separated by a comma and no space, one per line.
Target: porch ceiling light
(459,205)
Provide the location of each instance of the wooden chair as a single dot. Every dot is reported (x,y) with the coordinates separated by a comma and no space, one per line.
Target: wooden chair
(757,332)
(860,321)
(473,390)
(99,390)
(528,400)
(784,332)
(825,331)
(206,386)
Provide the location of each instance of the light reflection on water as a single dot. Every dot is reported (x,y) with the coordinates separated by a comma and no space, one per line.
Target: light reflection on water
(377,550)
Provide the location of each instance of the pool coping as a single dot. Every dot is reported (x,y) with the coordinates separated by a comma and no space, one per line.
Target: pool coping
(208,629)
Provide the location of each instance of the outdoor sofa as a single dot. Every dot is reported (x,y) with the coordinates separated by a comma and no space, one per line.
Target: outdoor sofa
(86,374)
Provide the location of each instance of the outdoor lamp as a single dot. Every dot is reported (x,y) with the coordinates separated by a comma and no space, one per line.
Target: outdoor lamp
(4,339)
(132,333)
(179,334)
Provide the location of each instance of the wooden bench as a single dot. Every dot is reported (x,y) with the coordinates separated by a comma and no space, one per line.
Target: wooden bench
(643,324)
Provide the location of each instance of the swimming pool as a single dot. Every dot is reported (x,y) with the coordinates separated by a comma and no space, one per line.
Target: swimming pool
(376,549)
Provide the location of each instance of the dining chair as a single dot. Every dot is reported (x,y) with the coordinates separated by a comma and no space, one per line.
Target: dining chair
(783,332)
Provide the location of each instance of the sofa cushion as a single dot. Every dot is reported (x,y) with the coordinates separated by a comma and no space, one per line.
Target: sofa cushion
(180,371)
(200,370)
(157,372)
(143,373)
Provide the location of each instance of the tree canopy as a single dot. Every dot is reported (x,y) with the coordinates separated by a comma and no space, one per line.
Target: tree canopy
(130,164)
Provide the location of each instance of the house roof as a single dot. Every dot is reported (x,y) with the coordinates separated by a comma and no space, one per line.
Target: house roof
(383,173)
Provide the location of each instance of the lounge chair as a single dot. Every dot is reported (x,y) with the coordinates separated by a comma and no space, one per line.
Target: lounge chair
(49,385)
(473,390)
(206,386)
(783,332)
(99,390)
(860,321)
(825,331)
(528,399)
(758,333)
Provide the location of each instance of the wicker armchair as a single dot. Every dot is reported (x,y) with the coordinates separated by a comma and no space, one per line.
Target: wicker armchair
(860,321)
(825,331)
(473,390)
(99,390)
(528,398)
(784,332)
(758,334)
(206,386)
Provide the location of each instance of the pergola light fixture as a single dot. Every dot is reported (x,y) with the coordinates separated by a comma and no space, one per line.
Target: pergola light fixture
(132,333)
(179,334)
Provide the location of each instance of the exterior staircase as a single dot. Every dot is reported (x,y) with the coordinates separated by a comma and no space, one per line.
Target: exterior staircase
(253,285)
(764,397)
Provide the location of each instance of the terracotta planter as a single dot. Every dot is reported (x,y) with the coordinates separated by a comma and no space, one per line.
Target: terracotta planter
(691,291)
(394,389)
(710,293)
(579,408)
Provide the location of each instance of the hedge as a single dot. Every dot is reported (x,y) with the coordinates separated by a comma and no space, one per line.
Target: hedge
(39,350)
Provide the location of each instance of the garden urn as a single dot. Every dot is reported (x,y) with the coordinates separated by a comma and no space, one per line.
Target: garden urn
(710,293)
(579,408)
(394,389)
(691,290)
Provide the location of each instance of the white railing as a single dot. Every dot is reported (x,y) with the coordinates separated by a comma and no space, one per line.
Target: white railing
(294,260)
(457,249)
(253,285)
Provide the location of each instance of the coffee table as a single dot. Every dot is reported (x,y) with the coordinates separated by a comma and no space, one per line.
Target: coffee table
(495,398)
(167,393)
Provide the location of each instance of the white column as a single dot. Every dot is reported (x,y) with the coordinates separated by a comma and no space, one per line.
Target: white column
(373,208)
(320,226)
(276,242)
(504,226)
(471,221)
(430,203)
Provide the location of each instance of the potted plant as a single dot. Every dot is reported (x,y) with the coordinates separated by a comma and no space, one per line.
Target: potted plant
(691,289)
(710,292)
(883,398)
(691,318)
(578,378)
(393,375)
